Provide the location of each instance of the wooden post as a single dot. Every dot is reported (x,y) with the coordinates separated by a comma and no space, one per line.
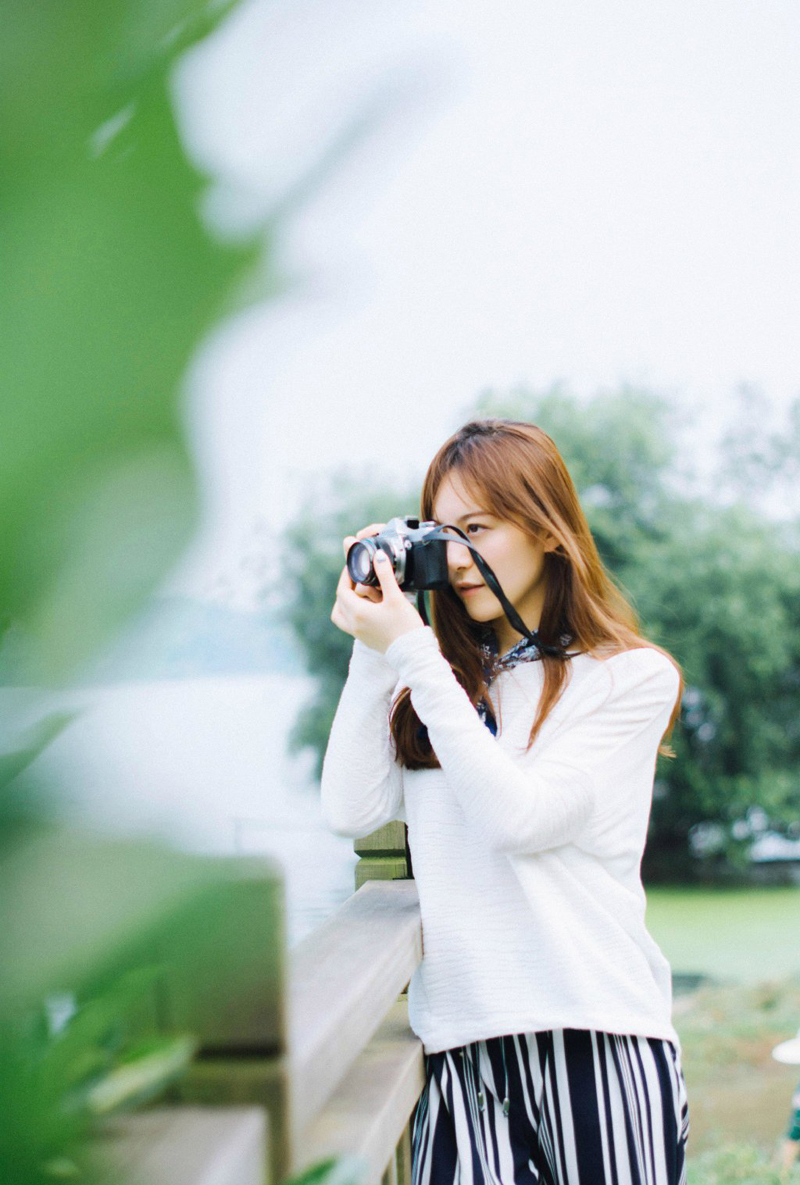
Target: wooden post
(385,855)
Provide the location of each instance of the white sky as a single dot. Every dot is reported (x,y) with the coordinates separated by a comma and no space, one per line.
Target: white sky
(577,191)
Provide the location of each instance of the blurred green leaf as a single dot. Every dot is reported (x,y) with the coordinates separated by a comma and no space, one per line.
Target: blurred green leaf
(72,904)
(344,1170)
(31,744)
(141,1074)
(110,281)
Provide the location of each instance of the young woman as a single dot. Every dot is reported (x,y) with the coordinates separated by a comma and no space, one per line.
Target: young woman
(524,771)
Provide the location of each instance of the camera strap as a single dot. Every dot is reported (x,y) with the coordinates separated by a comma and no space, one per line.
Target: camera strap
(492,582)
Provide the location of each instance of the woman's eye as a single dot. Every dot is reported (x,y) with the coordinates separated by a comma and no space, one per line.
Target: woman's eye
(478,525)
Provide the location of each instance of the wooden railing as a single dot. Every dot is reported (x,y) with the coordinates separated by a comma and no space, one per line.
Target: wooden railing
(316,1039)
(356,1069)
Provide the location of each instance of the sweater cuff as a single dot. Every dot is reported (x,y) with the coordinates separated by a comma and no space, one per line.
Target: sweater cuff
(371,665)
(403,650)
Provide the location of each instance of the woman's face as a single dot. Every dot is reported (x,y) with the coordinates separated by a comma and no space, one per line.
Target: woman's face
(516,560)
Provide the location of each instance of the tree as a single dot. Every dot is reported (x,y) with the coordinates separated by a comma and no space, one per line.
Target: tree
(722,594)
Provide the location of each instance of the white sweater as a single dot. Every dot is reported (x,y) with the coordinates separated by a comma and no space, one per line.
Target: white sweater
(527,864)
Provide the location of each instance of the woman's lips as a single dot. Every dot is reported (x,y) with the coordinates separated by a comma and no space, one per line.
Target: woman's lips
(465,592)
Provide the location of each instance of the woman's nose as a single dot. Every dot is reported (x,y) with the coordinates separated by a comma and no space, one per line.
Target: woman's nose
(458,556)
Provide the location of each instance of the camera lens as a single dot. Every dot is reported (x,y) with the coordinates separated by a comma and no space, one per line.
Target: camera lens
(359,562)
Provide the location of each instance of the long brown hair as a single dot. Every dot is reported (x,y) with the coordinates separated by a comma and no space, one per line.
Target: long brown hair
(521,477)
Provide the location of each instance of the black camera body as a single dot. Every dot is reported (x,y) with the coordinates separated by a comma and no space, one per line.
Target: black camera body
(418,562)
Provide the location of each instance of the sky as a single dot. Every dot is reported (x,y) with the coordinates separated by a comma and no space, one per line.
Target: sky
(532,192)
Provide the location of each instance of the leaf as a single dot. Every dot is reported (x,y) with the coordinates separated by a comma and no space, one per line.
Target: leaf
(142,1075)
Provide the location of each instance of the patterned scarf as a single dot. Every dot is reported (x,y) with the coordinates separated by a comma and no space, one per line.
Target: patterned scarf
(525,650)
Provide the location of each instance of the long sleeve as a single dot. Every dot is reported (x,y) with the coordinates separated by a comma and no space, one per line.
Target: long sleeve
(540,800)
(362,783)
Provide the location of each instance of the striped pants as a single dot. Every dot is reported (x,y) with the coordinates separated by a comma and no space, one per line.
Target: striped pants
(560,1107)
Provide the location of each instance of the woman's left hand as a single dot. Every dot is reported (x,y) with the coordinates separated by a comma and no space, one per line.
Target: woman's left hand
(375,623)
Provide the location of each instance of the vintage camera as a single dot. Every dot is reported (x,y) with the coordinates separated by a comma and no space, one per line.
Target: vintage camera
(419,562)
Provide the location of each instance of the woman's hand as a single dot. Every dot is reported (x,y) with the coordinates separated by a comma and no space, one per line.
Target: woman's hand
(388,613)
(365,590)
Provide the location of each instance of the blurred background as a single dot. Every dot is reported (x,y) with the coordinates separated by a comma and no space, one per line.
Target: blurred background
(263,259)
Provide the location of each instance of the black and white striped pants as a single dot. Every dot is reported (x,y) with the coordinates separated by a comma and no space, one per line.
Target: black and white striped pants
(560,1107)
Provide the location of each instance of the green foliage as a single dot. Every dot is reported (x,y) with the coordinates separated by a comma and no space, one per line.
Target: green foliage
(57,1079)
(722,594)
(110,284)
(109,281)
(344,1170)
(716,585)
(130,927)
(757,455)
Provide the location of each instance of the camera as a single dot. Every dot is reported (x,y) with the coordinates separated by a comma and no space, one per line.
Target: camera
(418,562)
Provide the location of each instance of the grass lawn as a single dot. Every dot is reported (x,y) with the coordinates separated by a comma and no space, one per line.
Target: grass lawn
(747,935)
(739,1097)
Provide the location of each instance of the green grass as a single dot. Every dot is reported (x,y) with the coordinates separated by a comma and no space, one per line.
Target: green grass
(737,1164)
(739,1096)
(746,935)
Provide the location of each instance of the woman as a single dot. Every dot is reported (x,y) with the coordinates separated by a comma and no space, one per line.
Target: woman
(524,770)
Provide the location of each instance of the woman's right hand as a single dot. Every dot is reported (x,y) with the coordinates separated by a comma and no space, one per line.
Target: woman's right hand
(364,590)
